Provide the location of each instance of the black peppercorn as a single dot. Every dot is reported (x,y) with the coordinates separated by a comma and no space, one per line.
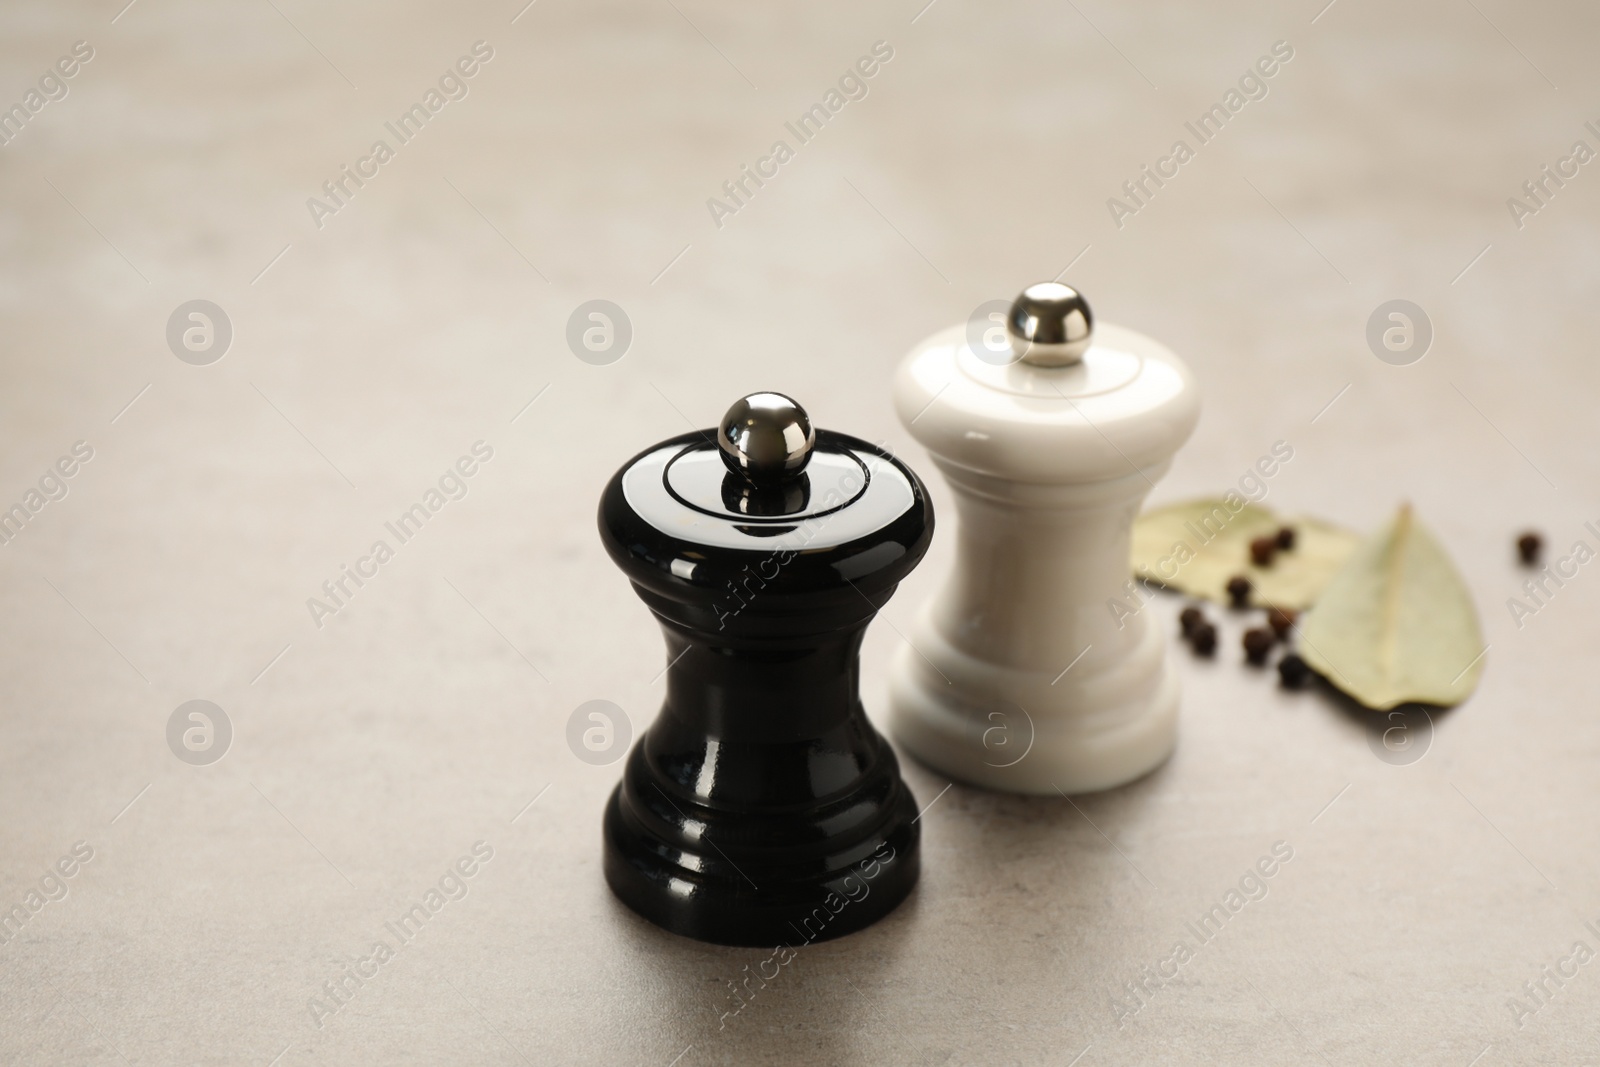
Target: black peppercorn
(1262,549)
(1189,618)
(1530,546)
(1293,671)
(1257,643)
(1239,591)
(1281,622)
(1203,639)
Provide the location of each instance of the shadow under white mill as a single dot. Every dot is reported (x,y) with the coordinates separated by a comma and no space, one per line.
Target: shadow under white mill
(1018,677)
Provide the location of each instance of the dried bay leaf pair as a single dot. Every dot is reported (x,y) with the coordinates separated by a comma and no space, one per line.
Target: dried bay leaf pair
(1387,620)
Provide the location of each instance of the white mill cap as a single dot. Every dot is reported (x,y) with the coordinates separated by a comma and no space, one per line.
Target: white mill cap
(1080,401)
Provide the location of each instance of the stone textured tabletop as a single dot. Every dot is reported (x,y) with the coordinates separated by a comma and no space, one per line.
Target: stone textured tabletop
(388,320)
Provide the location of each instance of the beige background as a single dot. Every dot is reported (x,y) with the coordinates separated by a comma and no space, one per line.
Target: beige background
(374,752)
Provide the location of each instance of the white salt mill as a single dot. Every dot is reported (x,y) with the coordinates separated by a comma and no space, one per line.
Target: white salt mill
(1019,675)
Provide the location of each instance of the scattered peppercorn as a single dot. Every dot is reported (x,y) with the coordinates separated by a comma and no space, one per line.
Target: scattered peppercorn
(1257,643)
(1530,546)
(1262,549)
(1239,591)
(1286,538)
(1203,639)
(1281,622)
(1189,618)
(1293,671)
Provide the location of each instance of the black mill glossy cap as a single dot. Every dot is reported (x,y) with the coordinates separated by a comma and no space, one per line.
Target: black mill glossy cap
(856,520)
(761,807)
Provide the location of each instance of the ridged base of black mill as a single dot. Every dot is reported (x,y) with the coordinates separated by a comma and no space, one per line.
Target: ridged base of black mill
(761,807)
(782,881)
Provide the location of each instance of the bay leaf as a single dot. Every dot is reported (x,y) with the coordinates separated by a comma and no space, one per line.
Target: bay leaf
(1195,547)
(1396,625)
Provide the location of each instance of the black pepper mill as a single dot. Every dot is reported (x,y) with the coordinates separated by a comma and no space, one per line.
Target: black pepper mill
(761,807)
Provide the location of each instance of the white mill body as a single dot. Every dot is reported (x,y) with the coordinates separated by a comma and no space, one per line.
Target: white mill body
(1049,466)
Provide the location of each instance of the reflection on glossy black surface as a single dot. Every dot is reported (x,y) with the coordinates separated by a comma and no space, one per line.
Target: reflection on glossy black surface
(696,477)
(765,501)
(761,807)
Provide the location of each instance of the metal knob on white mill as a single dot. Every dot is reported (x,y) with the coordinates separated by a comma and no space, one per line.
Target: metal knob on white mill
(1018,676)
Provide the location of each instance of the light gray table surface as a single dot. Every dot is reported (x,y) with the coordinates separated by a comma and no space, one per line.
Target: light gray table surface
(429,713)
